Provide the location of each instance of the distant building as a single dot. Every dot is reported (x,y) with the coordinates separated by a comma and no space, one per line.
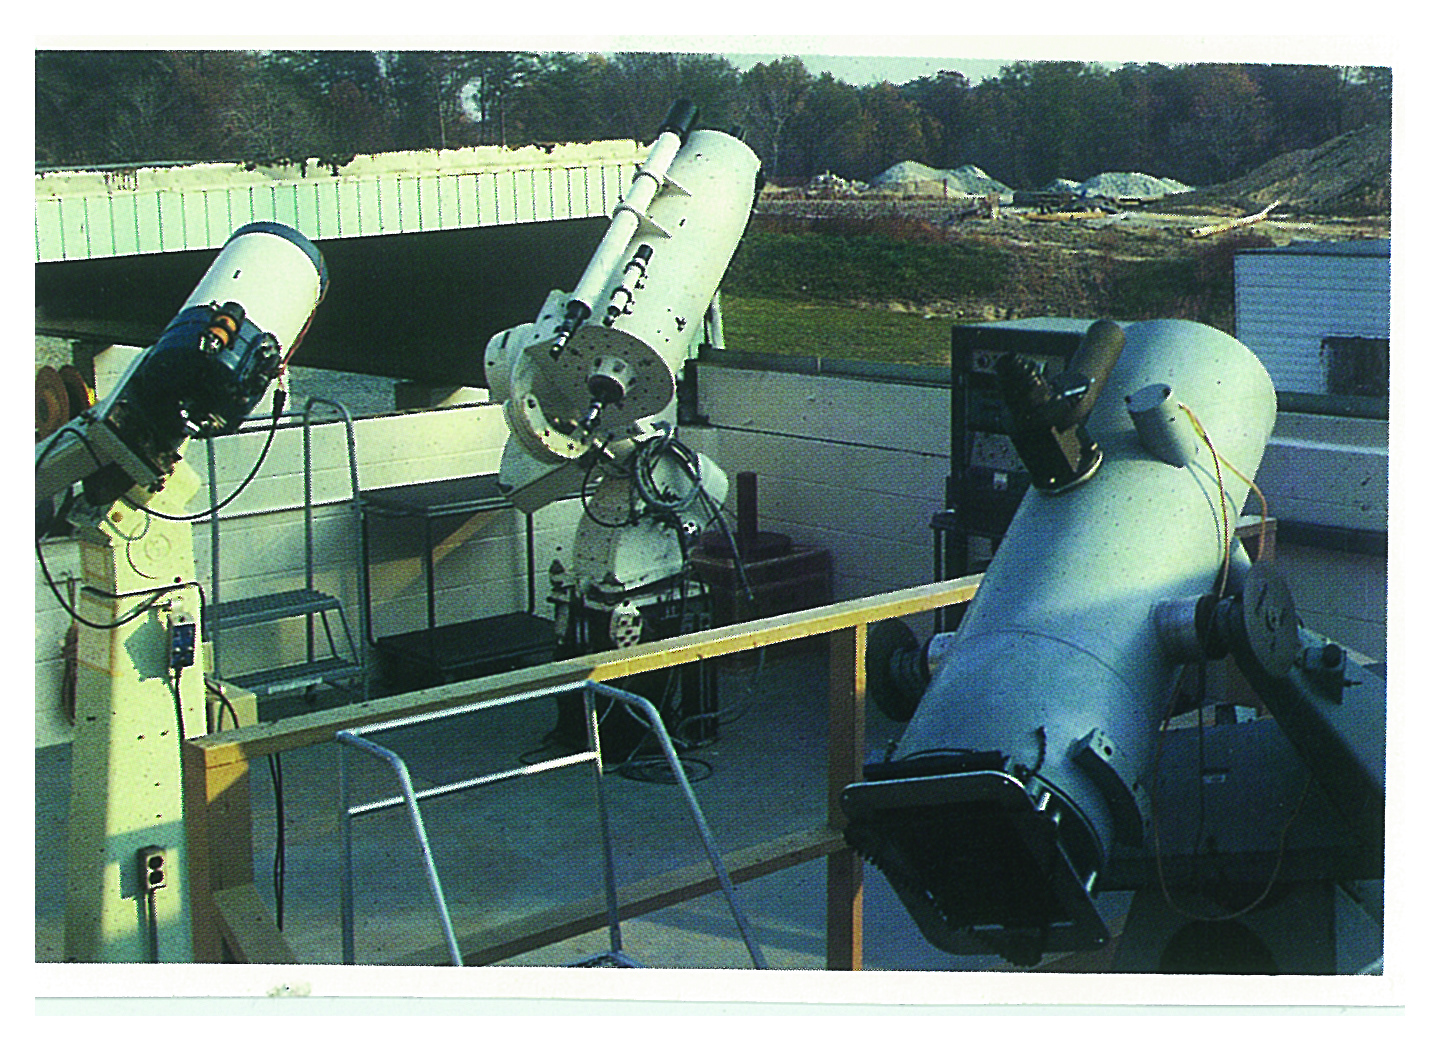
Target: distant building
(1318,315)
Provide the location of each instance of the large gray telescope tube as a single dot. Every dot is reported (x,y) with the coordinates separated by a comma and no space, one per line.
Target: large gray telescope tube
(1030,751)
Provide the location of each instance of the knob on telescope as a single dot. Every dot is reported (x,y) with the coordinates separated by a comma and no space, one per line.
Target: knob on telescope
(1258,625)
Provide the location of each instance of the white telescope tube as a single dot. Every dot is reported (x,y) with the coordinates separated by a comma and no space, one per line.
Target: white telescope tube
(595,376)
(1031,751)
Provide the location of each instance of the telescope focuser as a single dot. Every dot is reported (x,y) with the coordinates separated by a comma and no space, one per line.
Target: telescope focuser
(1047,417)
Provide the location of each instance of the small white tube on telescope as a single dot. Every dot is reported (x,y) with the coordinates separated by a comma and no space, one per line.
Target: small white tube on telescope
(625,220)
(628,215)
(1164,430)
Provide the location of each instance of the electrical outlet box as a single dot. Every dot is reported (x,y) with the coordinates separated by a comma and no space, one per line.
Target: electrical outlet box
(183,636)
(154,873)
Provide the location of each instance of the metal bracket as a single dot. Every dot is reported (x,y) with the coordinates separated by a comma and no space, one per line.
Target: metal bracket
(1113,773)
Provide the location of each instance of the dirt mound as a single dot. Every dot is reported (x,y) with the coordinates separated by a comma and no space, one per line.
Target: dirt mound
(1348,175)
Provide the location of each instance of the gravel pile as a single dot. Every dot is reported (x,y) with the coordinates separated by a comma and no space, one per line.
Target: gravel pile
(1347,175)
(1130,185)
(967,179)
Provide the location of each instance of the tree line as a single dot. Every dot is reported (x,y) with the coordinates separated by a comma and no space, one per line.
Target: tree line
(1035,121)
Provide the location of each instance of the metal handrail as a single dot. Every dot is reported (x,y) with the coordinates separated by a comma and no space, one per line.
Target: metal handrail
(410,799)
(359,650)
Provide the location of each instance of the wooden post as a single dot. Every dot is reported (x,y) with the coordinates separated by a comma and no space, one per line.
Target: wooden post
(844,905)
(217,819)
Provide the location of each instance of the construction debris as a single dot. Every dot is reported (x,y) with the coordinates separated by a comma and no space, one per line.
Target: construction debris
(1232,224)
(1066,216)
(826,186)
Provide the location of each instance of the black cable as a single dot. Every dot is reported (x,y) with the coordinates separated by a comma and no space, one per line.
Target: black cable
(718,514)
(45,567)
(586,492)
(277,867)
(667,507)
(152,926)
(154,593)
(279,404)
(739,563)
(174,682)
(1200,687)
(130,542)
(133,614)
(162,589)
(1155,794)
(657,770)
(219,694)
(79,436)
(648,455)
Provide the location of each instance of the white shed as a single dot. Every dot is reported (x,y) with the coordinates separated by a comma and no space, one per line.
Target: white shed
(1317,314)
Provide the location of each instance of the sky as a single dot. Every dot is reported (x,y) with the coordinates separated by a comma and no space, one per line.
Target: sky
(899,60)
(884,49)
(861,70)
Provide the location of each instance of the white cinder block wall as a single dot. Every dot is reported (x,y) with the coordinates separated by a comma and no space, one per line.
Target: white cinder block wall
(1332,472)
(479,562)
(852,465)
(855,466)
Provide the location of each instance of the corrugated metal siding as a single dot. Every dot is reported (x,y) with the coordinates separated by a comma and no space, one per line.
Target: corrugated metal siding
(1286,303)
(91,215)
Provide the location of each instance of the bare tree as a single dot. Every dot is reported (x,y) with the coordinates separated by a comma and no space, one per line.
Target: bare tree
(771,95)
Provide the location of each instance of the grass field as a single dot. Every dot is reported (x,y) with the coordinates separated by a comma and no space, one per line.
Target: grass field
(823,286)
(807,329)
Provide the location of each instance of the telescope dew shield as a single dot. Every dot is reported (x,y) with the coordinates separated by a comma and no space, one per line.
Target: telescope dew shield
(1028,755)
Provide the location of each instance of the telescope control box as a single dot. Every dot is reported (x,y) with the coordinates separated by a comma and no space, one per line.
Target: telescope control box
(987,478)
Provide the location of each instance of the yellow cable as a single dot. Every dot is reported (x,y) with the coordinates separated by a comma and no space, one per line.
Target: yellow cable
(1264,505)
(1262,553)
(1218,459)
(1224,501)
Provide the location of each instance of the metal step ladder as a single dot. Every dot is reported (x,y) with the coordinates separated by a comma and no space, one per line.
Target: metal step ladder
(359,740)
(334,667)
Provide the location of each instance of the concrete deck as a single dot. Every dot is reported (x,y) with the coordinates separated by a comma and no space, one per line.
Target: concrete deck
(510,849)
